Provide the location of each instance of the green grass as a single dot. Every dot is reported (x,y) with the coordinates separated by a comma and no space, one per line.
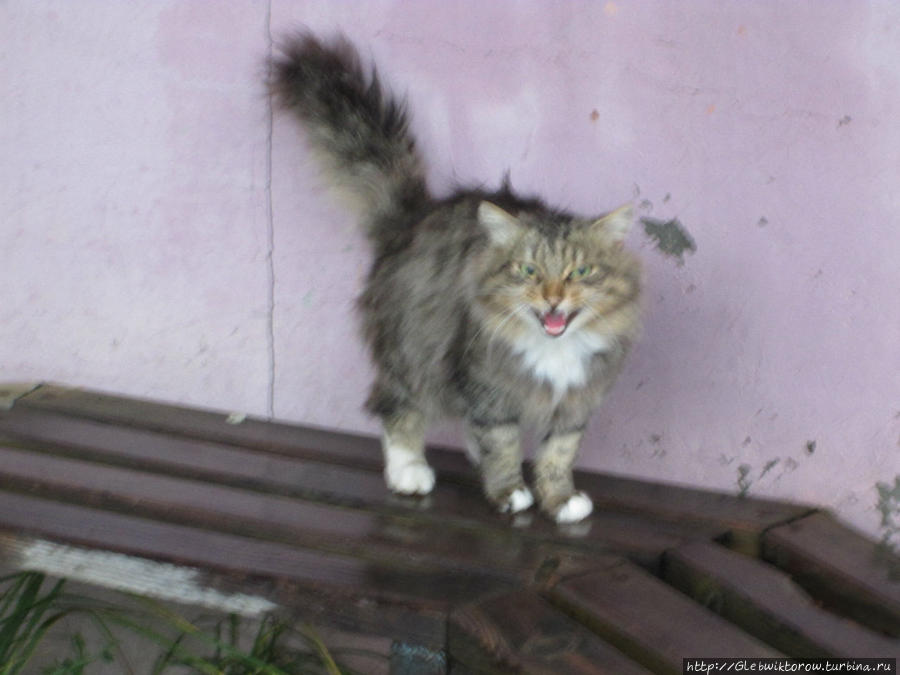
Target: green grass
(31,606)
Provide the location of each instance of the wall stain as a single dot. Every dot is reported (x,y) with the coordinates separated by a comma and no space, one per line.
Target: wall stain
(743,479)
(745,471)
(762,222)
(844,121)
(771,464)
(658,451)
(889,508)
(810,447)
(670,237)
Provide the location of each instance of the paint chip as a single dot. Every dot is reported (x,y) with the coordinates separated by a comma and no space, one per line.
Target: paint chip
(132,574)
(670,237)
(235,418)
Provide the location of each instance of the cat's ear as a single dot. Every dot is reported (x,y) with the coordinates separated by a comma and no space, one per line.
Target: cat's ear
(615,225)
(502,227)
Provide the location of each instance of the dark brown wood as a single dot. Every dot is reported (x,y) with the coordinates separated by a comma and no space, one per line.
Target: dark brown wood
(208,425)
(397,540)
(343,591)
(520,632)
(301,516)
(743,518)
(841,567)
(766,603)
(650,621)
(457,504)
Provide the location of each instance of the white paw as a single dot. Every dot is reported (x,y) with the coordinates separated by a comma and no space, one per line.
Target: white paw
(413,478)
(520,499)
(577,508)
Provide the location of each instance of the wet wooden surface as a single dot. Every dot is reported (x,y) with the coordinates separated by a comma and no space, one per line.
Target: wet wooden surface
(301,517)
(769,604)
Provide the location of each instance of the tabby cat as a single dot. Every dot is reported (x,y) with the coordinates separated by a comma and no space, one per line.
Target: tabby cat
(483,305)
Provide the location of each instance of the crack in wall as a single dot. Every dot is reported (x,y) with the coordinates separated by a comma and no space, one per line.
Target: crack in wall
(270,230)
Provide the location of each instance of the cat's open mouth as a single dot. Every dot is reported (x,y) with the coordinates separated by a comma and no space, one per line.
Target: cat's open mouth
(555,323)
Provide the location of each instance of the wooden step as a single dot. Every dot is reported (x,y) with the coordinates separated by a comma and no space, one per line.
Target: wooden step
(841,567)
(520,632)
(650,621)
(768,604)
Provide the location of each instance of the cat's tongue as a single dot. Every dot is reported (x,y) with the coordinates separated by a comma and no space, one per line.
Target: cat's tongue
(555,323)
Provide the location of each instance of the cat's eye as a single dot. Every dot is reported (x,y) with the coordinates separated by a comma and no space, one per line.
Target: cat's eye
(527,270)
(580,272)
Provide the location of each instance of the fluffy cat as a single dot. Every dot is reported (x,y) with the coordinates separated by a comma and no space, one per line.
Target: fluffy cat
(484,305)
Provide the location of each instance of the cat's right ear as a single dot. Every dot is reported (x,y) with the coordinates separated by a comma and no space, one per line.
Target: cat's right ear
(502,227)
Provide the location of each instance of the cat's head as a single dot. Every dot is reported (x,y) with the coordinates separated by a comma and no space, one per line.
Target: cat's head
(554,275)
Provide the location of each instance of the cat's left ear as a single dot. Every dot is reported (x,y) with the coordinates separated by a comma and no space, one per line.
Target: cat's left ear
(615,225)
(503,228)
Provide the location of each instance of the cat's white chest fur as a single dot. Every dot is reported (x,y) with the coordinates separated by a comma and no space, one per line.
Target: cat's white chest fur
(563,362)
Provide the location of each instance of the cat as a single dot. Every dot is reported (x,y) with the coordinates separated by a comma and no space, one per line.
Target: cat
(487,306)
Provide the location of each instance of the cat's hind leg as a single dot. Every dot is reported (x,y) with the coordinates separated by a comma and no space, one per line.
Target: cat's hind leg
(553,478)
(496,451)
(406,470)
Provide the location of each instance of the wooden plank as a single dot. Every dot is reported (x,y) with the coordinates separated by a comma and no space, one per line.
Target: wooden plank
(12,392)
(520,632)
(636,535)
(766,603)
(841,567)
(397,540)
(744,517)
(649,621)
(340,591)
(305,442)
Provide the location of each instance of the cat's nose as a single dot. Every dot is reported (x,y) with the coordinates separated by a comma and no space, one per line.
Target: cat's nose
(553,295)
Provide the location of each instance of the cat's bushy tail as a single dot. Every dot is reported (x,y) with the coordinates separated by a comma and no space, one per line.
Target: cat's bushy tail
(358,130)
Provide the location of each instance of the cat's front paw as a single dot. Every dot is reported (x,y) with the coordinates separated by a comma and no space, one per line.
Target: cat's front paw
(519,499)
(412,478)
(577,507)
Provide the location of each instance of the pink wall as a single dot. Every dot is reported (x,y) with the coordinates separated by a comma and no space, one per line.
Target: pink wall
(142,191)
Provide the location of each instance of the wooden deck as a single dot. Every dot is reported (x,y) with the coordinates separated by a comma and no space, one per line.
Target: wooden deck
(300,518)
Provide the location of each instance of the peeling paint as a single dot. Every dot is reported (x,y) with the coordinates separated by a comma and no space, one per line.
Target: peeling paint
(670,237)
